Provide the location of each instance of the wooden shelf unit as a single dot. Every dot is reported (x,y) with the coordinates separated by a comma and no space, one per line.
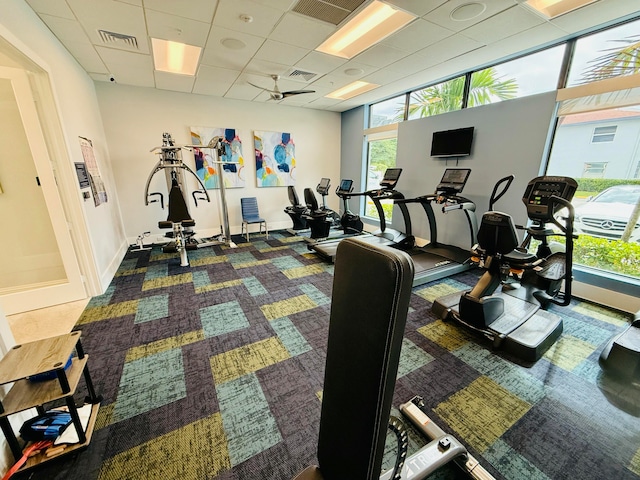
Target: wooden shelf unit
(45,356)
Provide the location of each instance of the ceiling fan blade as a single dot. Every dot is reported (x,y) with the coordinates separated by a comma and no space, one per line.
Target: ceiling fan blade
(296,92)
(261,88)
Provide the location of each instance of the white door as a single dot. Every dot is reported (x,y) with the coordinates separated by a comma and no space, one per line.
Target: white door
(38,264)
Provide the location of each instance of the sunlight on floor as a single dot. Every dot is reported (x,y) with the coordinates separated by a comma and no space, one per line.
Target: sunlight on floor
(46,322)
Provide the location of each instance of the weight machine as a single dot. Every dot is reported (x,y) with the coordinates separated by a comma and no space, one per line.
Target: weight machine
(178,218)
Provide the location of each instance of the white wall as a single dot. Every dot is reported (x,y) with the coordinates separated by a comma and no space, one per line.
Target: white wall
(135,118)
(79,115)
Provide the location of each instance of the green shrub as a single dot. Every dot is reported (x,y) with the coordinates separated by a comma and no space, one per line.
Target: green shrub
(599,184)
(612,255)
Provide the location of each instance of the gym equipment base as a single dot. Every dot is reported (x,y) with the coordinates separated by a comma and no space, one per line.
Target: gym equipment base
(523,330)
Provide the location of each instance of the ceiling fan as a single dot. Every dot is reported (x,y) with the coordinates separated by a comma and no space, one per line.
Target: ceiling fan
(276,94)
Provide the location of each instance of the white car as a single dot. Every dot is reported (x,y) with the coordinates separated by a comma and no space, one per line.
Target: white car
(606,215)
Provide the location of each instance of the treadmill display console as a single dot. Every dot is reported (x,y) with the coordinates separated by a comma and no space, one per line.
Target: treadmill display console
(345,186)
(390,179)
(453,180)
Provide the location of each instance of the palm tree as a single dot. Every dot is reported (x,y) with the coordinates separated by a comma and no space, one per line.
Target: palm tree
(615,62)
(485,87)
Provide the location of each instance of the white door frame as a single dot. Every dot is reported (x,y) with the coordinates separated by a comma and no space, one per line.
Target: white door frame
(73,289)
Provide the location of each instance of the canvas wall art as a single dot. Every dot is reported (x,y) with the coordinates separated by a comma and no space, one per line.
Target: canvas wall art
(275,159)
(233,161)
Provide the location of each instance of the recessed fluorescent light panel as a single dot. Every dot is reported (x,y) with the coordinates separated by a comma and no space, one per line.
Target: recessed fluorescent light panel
(352,90)
(374,23)
(175,57)
(555,8)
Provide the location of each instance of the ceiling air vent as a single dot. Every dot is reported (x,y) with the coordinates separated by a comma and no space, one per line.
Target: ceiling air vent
(300,75)
(330,11)
(118,39)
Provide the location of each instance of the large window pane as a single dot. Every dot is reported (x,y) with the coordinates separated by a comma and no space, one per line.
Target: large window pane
(441,98)
(600,150)
(528,75)
(381,155)
(607,54)
(387,112)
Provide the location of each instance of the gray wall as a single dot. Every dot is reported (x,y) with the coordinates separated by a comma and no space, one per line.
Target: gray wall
(351,151)
(509,138)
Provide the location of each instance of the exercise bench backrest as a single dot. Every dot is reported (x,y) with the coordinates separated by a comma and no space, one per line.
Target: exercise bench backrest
(369,304)
(178,211)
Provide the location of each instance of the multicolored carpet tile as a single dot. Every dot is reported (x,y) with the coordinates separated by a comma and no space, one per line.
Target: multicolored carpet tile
(215,371)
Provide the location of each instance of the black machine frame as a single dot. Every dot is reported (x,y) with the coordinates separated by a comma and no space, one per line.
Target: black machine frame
(515,318)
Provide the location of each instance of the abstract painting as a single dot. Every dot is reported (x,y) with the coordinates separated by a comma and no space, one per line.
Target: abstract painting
(233,161)
(275,159)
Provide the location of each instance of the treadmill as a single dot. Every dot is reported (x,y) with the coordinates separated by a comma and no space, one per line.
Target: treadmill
(434,260)
(383,235)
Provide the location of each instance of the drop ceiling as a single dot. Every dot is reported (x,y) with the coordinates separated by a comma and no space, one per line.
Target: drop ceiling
(249,40)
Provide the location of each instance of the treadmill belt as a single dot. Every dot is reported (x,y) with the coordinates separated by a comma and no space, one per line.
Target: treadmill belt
(426,261)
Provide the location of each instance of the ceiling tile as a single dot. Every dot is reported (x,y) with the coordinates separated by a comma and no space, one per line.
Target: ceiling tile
(201,10)
(441,15)
(214,81)
(596,14)
(503,25)
(112,16)
(449,48)
(172,81)
(265,68)
(66,30)
(282,5)
(380,55)
(217,55)
(534,37)
(417,7)
(302,31)
(320,63)
(384,76)
(264,17)
(420,33)
(242,92)
(280,52)
(57,8)
(352,64)
(88,57)
(177,29)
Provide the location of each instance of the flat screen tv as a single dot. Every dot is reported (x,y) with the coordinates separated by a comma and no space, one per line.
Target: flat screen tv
(452,143)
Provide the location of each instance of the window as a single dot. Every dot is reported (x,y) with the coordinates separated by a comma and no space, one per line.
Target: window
(594,170)
(603,134)
(607,54)
(381,154)
(441,98)
(387,112)
(535,73)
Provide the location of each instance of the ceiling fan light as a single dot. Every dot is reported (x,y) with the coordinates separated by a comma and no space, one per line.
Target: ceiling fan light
(175,57)
(374,23)
(353,89)
(555,8)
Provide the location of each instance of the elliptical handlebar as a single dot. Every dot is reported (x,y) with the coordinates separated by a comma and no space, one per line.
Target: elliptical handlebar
(567,229)
(495,197)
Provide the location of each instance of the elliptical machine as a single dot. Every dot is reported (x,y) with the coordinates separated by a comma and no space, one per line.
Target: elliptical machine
(512,318)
